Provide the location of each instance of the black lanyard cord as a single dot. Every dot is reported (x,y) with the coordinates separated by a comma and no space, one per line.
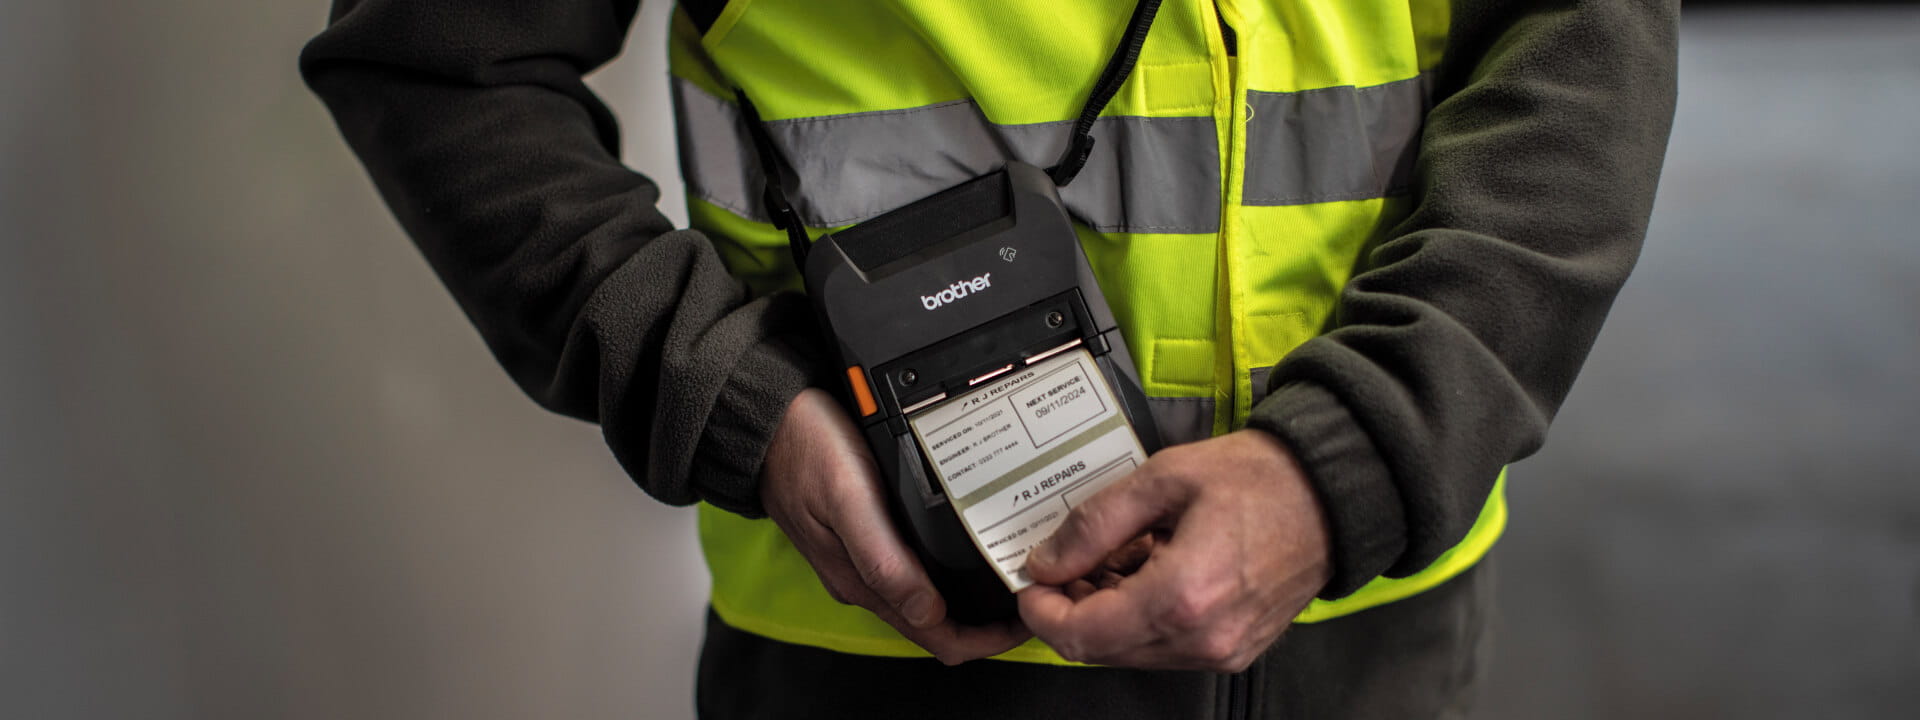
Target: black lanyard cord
(1079,145)
(773,192)
(1119,66)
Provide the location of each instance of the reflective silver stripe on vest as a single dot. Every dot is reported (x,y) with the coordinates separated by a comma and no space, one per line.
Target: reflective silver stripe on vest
(1258,376)
(1155,175)
(1187,419)
(1182,419)
(1337,143)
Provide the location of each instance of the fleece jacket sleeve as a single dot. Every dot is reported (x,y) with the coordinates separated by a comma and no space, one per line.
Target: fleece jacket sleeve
(500,164)
(1462,331)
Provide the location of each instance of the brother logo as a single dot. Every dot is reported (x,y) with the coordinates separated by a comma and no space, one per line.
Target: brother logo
(956,291)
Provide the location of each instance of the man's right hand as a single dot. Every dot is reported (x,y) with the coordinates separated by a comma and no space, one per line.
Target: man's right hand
(820,485)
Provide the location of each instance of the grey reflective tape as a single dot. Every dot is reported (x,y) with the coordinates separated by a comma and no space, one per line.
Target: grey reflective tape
(1182,419)
(716,158)
(1337,143)
(1145,174)
(1259,378)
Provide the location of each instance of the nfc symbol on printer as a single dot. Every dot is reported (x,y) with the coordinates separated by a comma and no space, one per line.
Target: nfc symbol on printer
(1007,253)
(956,291)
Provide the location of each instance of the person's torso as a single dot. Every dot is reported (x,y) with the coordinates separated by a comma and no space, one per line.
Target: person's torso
(1253,156)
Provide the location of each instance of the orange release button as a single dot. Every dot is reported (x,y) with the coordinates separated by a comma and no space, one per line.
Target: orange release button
(862,395)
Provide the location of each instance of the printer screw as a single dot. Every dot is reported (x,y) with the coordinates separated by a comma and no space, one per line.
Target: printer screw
(1054,319)
(909,377)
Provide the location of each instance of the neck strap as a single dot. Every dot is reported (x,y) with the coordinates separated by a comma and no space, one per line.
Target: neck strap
(1079,145)
(1119,66)
(773,191)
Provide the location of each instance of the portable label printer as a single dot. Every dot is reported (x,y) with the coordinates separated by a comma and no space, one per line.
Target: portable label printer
(975,309)
(981,360)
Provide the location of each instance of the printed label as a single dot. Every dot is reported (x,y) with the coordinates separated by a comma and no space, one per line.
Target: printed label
(1017,453)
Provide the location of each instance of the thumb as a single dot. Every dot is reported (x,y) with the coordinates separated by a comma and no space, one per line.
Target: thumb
(1110,519)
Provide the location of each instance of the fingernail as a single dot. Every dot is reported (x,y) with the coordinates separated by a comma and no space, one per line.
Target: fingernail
(919,610)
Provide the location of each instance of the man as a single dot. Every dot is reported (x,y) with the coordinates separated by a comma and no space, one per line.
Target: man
(1358,249)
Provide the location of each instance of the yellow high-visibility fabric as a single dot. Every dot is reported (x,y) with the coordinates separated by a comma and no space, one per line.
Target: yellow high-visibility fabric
(1201,310)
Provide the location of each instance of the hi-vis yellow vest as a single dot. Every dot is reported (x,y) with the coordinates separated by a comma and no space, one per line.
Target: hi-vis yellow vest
(1236,179)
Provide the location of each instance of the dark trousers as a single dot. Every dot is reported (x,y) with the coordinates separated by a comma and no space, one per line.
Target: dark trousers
(1417,658)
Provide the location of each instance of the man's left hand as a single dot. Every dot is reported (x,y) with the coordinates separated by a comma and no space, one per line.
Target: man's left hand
(1240,547)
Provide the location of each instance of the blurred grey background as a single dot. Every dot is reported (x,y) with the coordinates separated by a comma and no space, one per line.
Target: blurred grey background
(253,462)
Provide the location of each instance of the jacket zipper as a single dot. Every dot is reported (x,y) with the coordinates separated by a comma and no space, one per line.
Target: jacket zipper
(1236,693)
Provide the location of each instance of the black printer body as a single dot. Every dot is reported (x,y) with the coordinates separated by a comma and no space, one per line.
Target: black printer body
(927,301)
